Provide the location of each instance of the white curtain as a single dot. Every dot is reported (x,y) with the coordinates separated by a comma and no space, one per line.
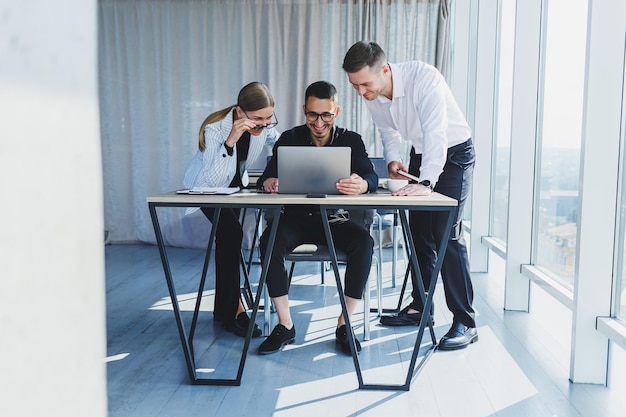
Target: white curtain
(165,65)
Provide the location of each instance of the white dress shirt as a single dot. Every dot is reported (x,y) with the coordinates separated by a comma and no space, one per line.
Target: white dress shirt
(422,111)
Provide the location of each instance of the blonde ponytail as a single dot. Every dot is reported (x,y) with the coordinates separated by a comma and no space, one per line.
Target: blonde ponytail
(212,118)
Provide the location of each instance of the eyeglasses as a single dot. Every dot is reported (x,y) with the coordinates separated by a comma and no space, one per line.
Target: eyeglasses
(258,128)
(327,117)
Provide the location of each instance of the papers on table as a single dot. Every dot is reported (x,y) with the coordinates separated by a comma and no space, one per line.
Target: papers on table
(209,190)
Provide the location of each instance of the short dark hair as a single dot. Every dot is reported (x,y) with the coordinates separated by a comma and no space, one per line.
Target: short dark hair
(321,90)
(364,54)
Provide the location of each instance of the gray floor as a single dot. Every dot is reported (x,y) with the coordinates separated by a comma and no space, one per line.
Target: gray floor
(518,368)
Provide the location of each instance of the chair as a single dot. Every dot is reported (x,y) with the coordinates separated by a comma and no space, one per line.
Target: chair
(321,254)
(383,220)
(314,253)
(246,265)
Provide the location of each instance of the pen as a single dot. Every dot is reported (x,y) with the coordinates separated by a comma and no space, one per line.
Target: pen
(406,174)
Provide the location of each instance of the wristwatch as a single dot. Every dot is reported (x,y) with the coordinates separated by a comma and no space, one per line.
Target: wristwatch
(426,183)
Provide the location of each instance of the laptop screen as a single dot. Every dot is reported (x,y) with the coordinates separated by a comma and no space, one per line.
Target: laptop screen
(312,169)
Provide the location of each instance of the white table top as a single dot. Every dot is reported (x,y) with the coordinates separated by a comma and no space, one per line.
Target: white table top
(252,198)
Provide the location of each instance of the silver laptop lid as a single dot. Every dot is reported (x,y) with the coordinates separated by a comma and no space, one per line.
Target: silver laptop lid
(312,169)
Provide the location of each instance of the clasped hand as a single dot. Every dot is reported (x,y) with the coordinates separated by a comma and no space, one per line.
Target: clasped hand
(352,185)
(270,185)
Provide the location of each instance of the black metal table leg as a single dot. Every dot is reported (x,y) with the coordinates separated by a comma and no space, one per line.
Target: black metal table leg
(342,297)
(426,294)
(187,341)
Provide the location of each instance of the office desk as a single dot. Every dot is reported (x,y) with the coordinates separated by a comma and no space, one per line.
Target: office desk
(273,204)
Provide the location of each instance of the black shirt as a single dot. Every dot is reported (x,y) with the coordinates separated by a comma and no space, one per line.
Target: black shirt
(360,163)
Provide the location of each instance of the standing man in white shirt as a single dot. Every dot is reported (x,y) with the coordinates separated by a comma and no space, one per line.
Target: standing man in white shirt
(411,101)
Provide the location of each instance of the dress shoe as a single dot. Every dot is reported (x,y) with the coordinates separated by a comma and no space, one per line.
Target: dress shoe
(240,326)
(341,338)
(404,318)
(458,337)
(280,337)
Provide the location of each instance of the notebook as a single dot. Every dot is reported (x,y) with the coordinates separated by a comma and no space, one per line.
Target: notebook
(209,190)
(312,169)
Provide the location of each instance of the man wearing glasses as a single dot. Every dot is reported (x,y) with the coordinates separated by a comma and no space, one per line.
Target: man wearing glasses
(300,225)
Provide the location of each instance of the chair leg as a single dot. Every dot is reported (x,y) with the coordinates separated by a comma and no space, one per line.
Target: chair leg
(404,284)
(379,285)
(257,233)
(293,266)
(394,238)
(379,266)
(246,290)
(366,311)
(379,308)
(268,318)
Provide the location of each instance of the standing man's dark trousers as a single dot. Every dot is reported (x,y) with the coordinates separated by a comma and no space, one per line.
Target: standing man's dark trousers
(427,229)
(227,262)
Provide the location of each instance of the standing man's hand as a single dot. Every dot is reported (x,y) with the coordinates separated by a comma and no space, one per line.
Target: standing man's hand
(410,189)
(394,167)
(413,189)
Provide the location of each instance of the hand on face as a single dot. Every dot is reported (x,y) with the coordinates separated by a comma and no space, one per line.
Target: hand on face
(249,122)
(353,185)
(240,126)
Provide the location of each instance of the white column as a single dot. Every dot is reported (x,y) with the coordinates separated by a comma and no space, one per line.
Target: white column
(599,199)
(483,132)
(52,310)
(524,120)
(458,78)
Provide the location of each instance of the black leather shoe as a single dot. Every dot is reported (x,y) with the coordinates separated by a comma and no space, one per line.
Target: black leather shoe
(240,326)
(280,337)
(404,318)
(341,338)
(458,337)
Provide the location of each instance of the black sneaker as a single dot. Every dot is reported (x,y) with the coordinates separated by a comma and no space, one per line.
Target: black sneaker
(280,337)
(240,326)
(341,338)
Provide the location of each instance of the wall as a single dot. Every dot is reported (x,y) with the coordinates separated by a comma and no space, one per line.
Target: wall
(52,311)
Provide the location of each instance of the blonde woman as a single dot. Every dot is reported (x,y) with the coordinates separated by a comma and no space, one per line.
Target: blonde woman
(230,140)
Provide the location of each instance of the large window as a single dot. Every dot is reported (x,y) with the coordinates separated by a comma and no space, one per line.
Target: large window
(560,133)
(504,89)
(620,281)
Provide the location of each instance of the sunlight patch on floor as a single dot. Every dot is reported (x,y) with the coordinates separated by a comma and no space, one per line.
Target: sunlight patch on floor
(187,302)
(486,369)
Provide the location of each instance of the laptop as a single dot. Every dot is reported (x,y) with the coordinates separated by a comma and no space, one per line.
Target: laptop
(312,169)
